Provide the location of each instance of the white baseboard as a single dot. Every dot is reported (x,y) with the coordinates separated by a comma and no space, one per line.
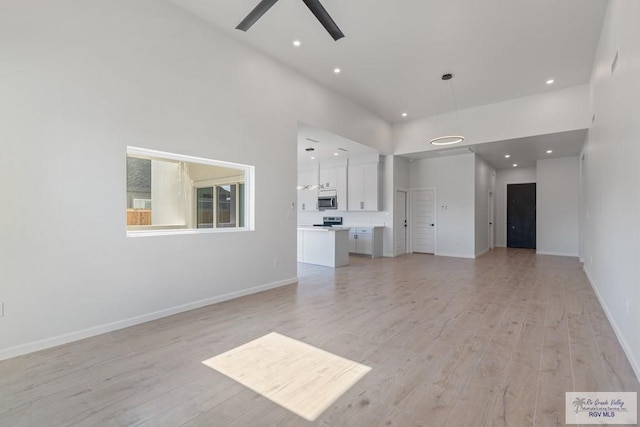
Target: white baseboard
(499,246)
(556,253)
(623,342)
(125,323)
(388,255)
(456,255)
(479,254)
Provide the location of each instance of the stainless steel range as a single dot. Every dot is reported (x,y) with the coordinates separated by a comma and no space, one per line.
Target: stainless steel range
(329,221)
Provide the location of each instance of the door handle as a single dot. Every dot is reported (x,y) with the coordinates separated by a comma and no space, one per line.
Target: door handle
(433,225)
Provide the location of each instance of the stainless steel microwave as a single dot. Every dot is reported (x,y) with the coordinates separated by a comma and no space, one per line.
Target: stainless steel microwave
(327,199)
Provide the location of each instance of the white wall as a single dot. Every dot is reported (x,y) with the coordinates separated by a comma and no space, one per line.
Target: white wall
(611,176)
(400,182)
(401,172)
(82,80)
(550,112)
(167,194)
(453,177)
(484,183)
(504,177)
(557,205)
(388,197)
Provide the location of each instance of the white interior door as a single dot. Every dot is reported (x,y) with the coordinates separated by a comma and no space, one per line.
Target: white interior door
(423,219)
(401,222)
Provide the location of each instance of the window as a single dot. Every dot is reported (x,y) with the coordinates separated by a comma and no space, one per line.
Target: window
(176,194)
(226,212)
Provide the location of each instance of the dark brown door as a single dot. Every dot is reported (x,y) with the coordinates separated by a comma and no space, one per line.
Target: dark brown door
(521,216)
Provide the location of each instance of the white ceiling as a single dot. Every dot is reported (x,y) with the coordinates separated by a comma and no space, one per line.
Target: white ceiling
(325,145)
(395,51)
(524,152)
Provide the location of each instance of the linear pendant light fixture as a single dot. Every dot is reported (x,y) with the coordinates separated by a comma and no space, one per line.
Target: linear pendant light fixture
(449,139)
(315,185)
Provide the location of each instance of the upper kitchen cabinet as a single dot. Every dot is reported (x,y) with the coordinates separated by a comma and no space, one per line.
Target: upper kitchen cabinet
(335,178)
(308,197)
(364,186)
(329,177)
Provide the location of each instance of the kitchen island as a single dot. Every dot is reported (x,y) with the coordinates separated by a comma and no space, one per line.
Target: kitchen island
(328,246)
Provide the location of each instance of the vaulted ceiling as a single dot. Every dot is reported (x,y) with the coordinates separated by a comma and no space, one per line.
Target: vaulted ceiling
(395,51)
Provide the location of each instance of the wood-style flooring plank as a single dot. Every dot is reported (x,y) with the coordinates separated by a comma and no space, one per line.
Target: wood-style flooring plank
(494,341)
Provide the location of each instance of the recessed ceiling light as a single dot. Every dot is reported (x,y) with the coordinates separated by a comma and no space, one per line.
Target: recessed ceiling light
(335,154)
(550,81)
(337,70)
(296,43)
(506,156)
(515,165)
(313,158)
(404,114)
(549,151)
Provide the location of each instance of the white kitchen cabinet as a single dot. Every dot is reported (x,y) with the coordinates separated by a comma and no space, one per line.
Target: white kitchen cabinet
(335,178)
(364,187)
(353,241)
(366,241)
(300,245)
(328,178)
(308,199)
(323,246)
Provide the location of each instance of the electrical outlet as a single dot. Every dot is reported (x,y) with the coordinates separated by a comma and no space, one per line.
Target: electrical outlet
(275,261)
(1,309)
(626,305)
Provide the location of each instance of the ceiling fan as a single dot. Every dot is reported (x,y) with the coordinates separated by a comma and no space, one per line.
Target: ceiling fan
(314,6)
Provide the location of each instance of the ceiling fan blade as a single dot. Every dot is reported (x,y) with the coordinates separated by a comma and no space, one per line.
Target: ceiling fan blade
(325,19)
(255,14)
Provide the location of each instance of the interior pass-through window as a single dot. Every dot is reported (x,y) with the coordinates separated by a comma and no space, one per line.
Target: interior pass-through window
(169,192)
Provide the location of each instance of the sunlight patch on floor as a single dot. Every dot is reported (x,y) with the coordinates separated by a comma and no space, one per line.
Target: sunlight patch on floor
(297,376)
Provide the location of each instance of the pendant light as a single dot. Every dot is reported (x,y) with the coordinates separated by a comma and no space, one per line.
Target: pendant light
(315,185)
(449,139)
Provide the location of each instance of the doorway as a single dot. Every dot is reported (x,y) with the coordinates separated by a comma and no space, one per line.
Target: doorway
(401,222)
(521,216)
(423,219)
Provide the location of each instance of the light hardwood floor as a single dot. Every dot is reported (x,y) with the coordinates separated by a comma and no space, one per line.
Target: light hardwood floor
(451,342)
